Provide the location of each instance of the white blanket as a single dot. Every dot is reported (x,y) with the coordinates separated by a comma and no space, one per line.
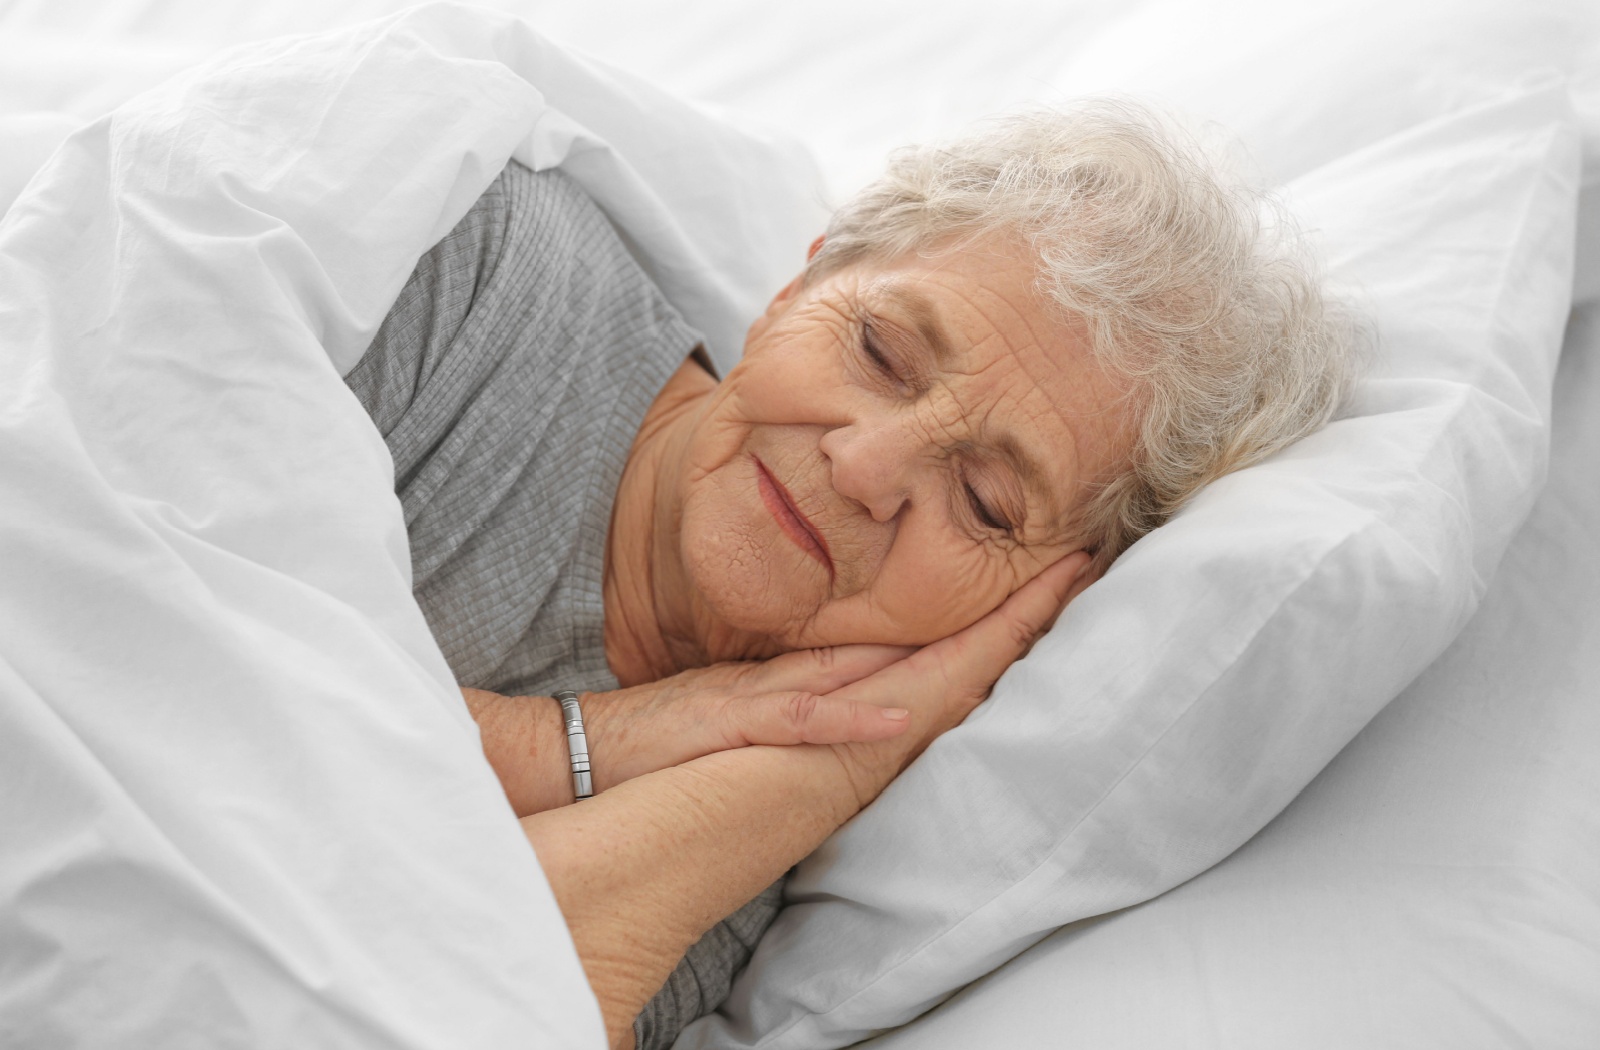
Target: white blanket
(242,802)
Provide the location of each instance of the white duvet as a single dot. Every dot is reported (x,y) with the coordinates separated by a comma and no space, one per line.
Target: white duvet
(242,802)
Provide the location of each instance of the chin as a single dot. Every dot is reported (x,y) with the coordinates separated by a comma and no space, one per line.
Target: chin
(745,587)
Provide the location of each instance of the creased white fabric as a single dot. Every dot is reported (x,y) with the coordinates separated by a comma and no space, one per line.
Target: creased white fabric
(242,802)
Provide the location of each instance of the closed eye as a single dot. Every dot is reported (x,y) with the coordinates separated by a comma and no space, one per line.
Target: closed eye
(869,347)
(989,517)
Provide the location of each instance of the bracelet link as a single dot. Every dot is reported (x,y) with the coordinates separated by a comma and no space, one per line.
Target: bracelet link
(577,745)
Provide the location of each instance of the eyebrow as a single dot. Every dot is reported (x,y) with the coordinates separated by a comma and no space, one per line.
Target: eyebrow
(924,318)
(1028,468)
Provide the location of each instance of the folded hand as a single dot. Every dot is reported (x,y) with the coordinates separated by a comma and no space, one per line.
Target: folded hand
(878,705)
(790,699)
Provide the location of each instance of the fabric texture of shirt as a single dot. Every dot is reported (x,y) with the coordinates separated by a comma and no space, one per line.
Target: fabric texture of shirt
(508,381)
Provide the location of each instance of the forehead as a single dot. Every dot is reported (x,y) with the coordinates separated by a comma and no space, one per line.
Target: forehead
(1017,366)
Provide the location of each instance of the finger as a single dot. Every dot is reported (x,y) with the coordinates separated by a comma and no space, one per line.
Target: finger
(1081,578)
(800,717)
(824,670)
(1030,611)
(978,655)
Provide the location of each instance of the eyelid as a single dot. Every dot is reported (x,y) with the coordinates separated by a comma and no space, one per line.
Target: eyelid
(984,511)
(873,349)
(980,508)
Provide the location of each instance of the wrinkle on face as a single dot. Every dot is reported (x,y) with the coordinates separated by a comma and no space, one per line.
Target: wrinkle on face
(879,463)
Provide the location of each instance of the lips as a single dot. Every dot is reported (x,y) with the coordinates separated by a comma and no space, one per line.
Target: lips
(794,524)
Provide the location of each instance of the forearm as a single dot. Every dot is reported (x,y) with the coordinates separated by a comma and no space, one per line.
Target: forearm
(643,870)
(526,743)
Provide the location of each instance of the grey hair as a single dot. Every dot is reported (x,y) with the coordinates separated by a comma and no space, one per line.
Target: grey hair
(1193,288)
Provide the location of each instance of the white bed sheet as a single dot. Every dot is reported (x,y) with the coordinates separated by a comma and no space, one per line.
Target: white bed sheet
(806,68)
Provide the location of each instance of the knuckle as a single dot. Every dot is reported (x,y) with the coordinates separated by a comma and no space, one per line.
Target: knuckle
(731,722)
(960,680)
(1019,634)
(866,716)
(800,708)
(953,678)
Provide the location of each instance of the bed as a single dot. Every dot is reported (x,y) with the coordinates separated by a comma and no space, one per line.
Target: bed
(1361,810)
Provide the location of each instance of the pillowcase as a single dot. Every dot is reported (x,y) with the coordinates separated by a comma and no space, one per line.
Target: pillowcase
(1182,701)
(1438,885)
(29,140)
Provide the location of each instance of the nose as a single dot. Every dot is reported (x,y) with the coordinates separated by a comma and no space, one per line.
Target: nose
(873,463)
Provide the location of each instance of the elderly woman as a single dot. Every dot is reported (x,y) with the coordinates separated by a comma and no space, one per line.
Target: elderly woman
(1001,364)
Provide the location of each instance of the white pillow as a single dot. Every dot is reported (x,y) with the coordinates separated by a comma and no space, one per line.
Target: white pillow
(1186,698)
(1438,885)
(28,138)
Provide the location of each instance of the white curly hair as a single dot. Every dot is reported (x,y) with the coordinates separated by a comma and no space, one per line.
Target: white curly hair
(1193,287)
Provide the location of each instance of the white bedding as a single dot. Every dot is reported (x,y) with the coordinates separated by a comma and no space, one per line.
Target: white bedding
(808,70)
(243,802)
(1437,886)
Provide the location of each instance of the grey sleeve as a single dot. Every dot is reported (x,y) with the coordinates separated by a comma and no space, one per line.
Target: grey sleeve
(702,980)
(421,327)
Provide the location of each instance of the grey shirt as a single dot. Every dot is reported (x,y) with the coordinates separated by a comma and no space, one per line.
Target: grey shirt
(509,380)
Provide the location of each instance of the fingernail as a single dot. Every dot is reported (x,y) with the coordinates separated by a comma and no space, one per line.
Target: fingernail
(896,714)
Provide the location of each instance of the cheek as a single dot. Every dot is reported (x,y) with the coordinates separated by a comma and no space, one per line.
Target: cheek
(736,566)
(931,590)
(718,436)
(773,390)
(791,372)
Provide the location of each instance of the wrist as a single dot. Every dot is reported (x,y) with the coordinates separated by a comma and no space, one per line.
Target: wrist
(525,741)
(867,768)
(830,783)
(607,740)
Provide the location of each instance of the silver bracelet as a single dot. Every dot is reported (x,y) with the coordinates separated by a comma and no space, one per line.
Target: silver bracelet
(577,745)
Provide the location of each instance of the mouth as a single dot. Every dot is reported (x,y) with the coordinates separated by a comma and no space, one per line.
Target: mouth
(794,524)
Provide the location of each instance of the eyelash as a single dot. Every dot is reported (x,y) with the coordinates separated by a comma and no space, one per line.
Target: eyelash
(873,354)
(988,518)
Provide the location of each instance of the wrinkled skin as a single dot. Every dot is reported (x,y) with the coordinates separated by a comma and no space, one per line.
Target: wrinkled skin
(894,457)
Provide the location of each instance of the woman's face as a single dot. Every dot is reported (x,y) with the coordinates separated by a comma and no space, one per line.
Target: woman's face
(899,450)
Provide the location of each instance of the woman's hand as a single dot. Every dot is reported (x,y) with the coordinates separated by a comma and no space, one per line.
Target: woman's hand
(644,870)
(941,683)
(860,698)
(790,699)
(698,712)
